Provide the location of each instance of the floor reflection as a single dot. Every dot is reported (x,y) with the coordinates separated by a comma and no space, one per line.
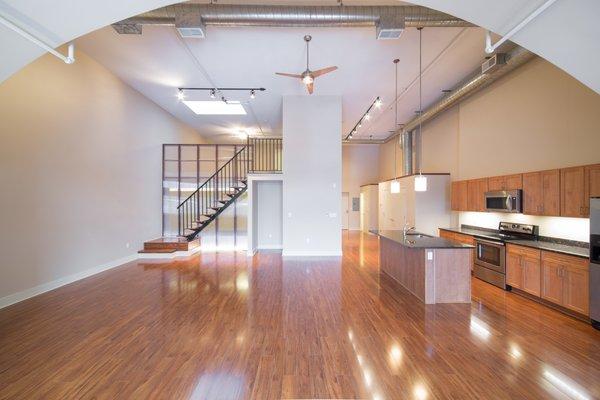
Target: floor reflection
(224,326)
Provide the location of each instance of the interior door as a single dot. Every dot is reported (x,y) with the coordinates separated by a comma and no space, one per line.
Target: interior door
(345,210)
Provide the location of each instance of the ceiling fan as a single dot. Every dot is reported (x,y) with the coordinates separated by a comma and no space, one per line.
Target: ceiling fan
(308,76)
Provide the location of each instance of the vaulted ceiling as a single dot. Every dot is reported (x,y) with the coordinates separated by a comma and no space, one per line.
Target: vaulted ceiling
(159,61)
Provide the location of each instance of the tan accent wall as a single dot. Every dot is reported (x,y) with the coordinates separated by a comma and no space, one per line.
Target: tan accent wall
(386,160)
(80,169)
(357,170)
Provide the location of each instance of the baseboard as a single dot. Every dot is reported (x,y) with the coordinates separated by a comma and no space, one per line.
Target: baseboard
(270,247)
(46,287)
(309,253)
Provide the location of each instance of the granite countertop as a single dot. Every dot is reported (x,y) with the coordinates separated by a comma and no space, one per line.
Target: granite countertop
(418,240)
(549,244)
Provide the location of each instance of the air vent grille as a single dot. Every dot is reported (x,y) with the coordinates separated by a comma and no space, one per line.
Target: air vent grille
(386,34)
(191,32)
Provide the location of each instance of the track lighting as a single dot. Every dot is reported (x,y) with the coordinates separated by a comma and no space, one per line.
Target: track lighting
(252,94)
(213,94)
(366,116)
(180,95)
(213,91)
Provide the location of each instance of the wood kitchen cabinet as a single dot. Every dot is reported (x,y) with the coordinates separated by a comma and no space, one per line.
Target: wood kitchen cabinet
(459,196)
(447,235)
(506,182)
(572,192)
(565,281)
(592,185)
(541,192)
(523,269)
(476,189)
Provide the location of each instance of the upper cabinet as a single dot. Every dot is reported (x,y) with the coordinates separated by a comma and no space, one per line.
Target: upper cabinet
(459,196)
(506,182)
(476,189)
(572,192)
(541,193)
(562,192)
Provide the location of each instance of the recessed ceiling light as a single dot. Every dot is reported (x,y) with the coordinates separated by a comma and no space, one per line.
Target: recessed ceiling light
(216,107)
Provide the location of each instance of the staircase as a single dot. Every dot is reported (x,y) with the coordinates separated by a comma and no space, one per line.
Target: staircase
(223,188)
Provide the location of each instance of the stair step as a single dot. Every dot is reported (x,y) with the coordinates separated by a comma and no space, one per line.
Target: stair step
(157,251)
(215,208)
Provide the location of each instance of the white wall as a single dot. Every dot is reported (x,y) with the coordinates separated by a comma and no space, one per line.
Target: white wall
(312,175)
(80,170)
(359,167)
(269,225)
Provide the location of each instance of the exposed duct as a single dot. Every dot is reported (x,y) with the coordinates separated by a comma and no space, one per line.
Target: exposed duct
(476,82)
(406,142)
(389,20)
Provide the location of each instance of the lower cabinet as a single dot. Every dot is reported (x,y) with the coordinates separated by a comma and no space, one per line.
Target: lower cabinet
(557,278)
(523,269)
(565,281)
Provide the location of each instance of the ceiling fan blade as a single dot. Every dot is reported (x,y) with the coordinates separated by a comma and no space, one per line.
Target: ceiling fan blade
(323,71)
(290,75)
(310,87)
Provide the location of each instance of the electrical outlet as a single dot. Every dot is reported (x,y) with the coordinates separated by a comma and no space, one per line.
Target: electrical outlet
(307,240)
(127,245)
(430,255)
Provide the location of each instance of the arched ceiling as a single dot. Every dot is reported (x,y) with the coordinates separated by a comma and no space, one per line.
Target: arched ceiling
(566,34)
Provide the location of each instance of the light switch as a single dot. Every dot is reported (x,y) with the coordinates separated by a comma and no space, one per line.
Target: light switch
(289,215)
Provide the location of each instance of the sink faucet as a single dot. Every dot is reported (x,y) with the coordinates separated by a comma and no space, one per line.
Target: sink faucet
(407,228)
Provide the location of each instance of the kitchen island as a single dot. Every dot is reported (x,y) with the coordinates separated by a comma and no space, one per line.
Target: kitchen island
(434,269)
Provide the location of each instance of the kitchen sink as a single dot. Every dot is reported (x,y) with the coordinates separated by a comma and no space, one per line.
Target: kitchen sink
(417,235)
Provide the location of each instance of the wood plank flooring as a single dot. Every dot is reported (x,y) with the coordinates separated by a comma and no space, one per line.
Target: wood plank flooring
(224,326)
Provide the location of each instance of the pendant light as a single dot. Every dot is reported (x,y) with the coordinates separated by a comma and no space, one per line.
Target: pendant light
(420,180)
(395,187)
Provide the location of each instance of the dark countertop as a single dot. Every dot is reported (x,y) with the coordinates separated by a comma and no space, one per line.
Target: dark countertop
(562,248)
(416,242)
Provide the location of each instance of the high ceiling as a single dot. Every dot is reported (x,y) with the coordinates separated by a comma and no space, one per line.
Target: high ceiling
(159,61)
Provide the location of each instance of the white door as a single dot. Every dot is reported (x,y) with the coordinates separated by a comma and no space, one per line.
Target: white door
(345,210)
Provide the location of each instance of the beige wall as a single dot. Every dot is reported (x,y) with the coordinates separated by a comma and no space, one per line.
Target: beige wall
(80,169)
(358,163)
(386,160)
(536,118)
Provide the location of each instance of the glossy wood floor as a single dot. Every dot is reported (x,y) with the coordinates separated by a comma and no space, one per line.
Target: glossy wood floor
(221,326)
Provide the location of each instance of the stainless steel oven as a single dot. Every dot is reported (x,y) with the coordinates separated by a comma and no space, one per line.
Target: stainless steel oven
(509,201)
(490,262)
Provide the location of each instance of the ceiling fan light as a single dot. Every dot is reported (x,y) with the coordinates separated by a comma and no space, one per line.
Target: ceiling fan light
(308,79)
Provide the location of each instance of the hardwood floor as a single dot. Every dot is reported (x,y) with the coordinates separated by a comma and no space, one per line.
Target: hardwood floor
(223,326)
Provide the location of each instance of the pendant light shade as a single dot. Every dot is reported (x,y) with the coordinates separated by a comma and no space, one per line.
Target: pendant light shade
(395,187)
(420,183)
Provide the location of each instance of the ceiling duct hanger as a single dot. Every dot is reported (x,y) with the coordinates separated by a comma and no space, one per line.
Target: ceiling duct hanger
(490,48)
(68,59)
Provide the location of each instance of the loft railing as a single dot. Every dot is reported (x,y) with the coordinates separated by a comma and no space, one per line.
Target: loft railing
(266,155)
(198,210)
(213,196)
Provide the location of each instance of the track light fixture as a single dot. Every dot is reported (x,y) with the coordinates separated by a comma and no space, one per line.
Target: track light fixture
(365,117)
(213,91)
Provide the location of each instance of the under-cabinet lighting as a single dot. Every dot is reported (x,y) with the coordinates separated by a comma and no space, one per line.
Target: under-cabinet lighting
(201,107)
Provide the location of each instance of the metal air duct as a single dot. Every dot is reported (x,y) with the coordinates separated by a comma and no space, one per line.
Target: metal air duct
(389,20)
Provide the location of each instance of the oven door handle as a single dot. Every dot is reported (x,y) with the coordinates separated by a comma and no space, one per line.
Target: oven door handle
(497,244)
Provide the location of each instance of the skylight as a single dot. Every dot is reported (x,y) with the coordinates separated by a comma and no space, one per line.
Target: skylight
(215,107)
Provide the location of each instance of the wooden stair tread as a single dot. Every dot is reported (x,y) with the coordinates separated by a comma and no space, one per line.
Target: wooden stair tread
(157,251)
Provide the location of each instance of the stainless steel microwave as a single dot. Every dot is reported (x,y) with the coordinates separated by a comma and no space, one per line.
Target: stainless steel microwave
(509,201)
